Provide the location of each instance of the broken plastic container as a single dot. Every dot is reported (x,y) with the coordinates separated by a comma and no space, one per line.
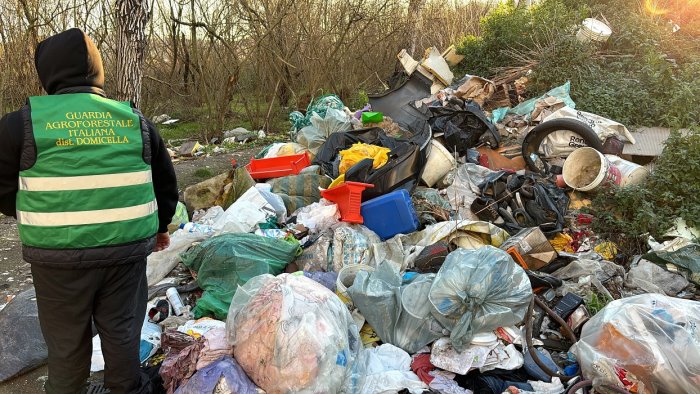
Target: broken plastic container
(276,167)
(372,117)
(348,197)
(390,214)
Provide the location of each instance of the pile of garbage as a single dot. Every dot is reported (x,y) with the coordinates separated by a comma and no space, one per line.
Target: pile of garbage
(423,244)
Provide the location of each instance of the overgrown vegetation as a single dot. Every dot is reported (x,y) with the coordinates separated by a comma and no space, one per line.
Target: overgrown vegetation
(645,75)
(670,192)
(240,63)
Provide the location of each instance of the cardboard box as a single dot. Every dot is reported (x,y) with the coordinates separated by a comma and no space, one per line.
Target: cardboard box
(530,248)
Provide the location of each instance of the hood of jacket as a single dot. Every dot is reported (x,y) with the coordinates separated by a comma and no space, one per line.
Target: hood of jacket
(69,62)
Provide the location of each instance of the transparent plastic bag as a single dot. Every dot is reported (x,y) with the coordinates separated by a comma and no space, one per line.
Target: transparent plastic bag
(313,136)
(291,334)
(352,244)
(479,290)
(318,256)
(401,315)
(646,344)
(385,369)
(319,216)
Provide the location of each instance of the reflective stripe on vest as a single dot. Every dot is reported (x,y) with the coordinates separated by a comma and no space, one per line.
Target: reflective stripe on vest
(89,186)
(86,217)
(84,182)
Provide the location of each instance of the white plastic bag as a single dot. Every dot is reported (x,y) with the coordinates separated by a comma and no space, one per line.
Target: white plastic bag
(646,344)
(479,290)
(384,370)
(319,216)
(465,188)
(159,264)
(291,334)
(244,215)
(562,142)
(313,136)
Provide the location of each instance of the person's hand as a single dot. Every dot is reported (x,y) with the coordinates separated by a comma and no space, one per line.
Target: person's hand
(162,242)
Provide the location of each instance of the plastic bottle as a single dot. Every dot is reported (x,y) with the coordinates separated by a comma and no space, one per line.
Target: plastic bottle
(175,301)
(196,228)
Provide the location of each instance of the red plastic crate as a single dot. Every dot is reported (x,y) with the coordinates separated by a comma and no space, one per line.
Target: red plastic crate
(276,167)
(348,197)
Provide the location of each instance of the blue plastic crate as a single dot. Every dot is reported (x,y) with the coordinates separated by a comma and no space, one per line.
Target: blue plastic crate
(390,214)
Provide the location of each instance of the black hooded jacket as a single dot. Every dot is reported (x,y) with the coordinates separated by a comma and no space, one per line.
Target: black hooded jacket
(69,62)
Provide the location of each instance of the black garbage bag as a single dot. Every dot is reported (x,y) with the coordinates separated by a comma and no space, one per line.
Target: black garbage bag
(22,347)
(464,126)
(403,170)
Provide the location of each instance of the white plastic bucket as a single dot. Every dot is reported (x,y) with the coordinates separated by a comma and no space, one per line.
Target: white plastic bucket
(632,173)
(346,277)
(593,30)
(440,162)
(587,169)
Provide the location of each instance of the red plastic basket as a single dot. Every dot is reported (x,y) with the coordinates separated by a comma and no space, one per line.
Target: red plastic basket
(276,167)
(348,197)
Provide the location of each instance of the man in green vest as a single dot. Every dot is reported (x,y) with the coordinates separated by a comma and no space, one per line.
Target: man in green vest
(93,189)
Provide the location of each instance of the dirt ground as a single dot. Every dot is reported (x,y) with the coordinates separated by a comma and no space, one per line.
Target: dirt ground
(15,274)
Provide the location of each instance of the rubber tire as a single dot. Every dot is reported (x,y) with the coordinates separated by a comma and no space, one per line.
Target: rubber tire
(534,138)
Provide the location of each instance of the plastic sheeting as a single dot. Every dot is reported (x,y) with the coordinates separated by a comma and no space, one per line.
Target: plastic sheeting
(22,347)
(223,375)
(384,370)
(402,250)
(224,262)
(291,334)
(687,258)
(581,274)
(400,314)
(650,278)
(479,290)
(465,188)
(646,344)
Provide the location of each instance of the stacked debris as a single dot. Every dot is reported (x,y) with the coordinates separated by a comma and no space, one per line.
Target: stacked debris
(422,243)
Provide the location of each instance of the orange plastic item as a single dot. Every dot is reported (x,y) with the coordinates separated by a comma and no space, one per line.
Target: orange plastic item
(348,197)
(276,167)
(517,257)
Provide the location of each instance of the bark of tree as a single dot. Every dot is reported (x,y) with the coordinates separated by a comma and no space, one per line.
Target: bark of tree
(132,17)
(415,19)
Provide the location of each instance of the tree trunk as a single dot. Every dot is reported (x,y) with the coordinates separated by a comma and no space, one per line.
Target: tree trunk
(132,17)
(415,23)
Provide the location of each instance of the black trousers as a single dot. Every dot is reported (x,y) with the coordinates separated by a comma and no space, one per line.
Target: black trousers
(69,301)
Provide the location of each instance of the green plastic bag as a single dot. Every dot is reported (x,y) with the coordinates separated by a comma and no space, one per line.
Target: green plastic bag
(372,117)
(318,106)
(181,216)
(224,262)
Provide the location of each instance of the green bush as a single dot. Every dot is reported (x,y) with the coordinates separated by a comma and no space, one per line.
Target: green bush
(645,75)
(671,191)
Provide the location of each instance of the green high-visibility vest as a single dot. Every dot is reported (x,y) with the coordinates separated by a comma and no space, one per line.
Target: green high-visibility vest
(90,186)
